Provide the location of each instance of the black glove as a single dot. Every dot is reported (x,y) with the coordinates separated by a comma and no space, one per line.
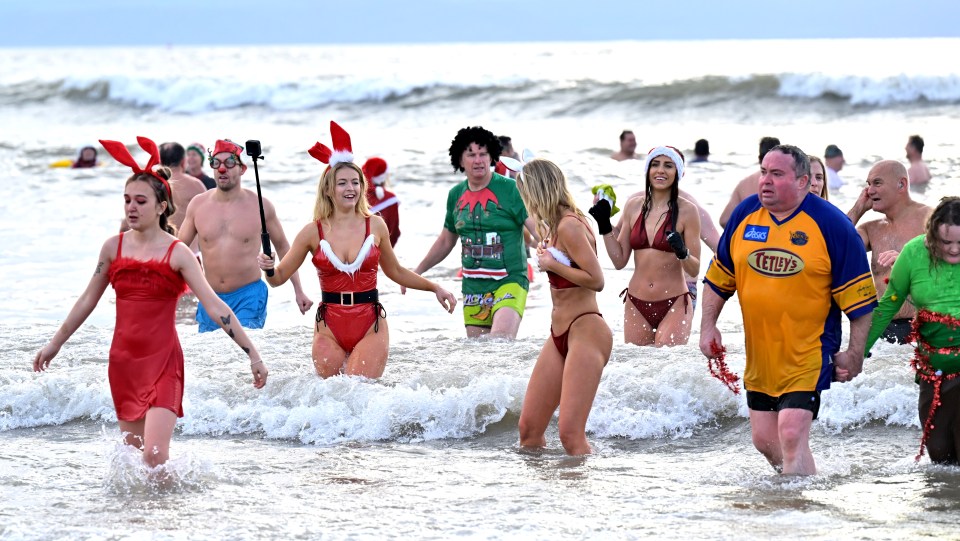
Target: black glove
(601,213)
(676,242)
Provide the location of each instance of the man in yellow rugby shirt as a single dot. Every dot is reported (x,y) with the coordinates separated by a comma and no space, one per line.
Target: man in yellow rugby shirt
(796,262)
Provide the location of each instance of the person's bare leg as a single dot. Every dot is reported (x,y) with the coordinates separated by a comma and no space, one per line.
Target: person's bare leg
(542,396)
(794,430)
(766,437)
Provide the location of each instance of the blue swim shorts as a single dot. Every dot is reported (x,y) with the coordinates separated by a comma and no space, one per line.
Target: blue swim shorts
(249,303)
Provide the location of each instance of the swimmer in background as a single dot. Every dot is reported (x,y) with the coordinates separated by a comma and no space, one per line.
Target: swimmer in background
(628,147)
(87,157)
(748,186)
(919,173)
(701,151)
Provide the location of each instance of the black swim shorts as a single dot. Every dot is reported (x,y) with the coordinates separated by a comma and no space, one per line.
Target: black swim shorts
(804,400)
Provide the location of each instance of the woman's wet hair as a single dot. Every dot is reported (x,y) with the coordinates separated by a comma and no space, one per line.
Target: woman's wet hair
(673,204)
(543,188)
(946,213)
(324,205)
(473,134)
(160,191)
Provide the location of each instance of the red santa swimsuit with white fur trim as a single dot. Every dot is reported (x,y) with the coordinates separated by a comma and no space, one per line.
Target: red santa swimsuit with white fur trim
(349,323)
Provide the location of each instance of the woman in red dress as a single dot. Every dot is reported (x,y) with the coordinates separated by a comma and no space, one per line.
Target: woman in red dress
(149,269)
(348,246)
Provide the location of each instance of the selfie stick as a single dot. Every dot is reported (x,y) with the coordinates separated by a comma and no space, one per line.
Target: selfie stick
(253,150)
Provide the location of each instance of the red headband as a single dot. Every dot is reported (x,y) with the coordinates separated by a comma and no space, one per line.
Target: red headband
(120,153)
(342,149)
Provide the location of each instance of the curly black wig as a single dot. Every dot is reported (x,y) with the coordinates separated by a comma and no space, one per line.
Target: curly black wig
(473,134)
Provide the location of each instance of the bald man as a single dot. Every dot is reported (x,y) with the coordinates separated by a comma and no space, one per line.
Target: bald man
(888,192)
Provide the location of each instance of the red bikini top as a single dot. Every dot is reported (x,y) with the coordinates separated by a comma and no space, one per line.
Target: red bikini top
(638,235)
(557,281)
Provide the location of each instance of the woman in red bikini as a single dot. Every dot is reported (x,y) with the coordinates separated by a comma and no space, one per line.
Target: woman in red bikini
(351,335)
(659,311)
(149,269)
(568,369)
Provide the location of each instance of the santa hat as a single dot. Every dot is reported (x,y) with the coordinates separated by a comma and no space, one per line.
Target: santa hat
(120,153)
(226,145)
(342,151)
(375,169)
(669,152)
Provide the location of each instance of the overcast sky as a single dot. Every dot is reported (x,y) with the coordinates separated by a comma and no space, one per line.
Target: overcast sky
(30,23)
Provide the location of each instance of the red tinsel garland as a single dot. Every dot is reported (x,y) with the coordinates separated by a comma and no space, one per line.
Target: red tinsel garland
(925,370)
(720,370)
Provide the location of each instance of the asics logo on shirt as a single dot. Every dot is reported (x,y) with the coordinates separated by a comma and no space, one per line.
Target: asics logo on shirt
(756,233)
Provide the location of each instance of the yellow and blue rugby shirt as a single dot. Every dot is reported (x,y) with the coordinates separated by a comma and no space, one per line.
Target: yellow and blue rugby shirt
(794,277)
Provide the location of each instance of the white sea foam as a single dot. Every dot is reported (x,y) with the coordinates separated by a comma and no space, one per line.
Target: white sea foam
(645,393)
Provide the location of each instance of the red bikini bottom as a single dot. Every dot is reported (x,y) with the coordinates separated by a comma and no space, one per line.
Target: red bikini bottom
(655,311)
(561,340)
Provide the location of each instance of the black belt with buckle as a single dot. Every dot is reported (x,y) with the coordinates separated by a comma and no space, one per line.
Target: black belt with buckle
(349,298)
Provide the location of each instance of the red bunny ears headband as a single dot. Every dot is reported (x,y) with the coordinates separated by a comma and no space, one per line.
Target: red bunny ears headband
(342,149)
(120,153)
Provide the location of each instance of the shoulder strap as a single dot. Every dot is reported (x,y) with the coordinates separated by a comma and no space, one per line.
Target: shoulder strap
(166,258)
(320,229)
(120,245)
(585,224)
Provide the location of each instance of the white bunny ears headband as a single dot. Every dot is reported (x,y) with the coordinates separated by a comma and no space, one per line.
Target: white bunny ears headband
(517,165)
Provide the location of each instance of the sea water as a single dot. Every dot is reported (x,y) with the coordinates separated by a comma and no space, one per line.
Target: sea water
(430,450)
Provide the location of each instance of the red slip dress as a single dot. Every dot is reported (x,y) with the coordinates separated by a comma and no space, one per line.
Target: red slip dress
(146,362)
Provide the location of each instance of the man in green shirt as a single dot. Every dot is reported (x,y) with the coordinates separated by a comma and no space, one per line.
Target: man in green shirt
(485,213)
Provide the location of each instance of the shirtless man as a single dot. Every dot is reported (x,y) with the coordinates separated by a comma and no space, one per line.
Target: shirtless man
(748,186)
(628,147)
(184,187)
(888,192)
(225,222)
(918,174)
